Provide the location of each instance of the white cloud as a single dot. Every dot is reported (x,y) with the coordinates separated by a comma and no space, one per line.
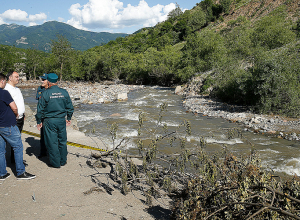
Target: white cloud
(2,21)
(37,17)
(14,15)
(32,24)
(111,14)
(17,15)
(60,19)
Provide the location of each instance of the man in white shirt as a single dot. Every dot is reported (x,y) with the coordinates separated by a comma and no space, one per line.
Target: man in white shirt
(12,81)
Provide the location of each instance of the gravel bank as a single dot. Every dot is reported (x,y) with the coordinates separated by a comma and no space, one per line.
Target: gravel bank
(275,125)
(90,93)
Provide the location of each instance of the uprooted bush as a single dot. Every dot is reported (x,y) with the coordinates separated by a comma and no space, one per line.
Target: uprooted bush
(228,187)
(201,185)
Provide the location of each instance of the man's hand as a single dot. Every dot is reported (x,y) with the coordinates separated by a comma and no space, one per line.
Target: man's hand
(68,122)
(39,126)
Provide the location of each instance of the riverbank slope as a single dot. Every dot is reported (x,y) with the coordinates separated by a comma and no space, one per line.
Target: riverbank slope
(273,125)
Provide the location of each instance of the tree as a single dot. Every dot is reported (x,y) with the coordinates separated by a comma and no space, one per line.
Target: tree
(34,60)
(197,20)
(204,50)
(89,61)
(276,81)
(61,49)
(175,12)
(7,59)
(182,27)
(162,64)
(225,5)
(76,69)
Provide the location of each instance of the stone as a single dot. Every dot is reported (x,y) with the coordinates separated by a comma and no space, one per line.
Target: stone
(178,89)
(115,115)
(122,96)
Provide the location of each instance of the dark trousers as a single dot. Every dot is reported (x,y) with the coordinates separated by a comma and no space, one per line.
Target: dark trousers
(20,124)
(43,151)
(55,135)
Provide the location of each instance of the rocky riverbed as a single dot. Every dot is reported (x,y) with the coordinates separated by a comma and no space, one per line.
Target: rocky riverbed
(275,125)
(90,93)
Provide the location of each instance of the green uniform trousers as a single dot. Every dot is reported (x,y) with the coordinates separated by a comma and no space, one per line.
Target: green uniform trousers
(55,135)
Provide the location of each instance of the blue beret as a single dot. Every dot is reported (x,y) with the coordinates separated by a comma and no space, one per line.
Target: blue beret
(52,77)
(44,76)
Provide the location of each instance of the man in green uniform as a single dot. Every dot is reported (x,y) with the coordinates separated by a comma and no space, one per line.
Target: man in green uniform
(55,109)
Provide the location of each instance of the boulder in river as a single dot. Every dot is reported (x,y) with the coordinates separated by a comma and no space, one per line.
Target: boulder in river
(122,96)
(178,89)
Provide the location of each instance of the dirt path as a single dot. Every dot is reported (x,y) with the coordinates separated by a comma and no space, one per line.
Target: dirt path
(74,191)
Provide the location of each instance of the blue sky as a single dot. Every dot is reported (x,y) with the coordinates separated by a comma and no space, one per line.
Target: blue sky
(115,16)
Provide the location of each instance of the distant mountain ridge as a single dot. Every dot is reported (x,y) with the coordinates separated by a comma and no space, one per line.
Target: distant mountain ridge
(40,36)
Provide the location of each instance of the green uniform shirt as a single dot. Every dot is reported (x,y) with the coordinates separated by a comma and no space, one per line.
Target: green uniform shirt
(55,102)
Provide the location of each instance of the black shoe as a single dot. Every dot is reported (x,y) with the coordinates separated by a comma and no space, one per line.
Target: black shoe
(50,165)
(63,164)
(5,176)
(42,155)
(26,176)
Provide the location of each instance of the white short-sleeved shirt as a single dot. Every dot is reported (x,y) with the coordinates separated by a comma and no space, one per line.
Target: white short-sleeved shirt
(17,97)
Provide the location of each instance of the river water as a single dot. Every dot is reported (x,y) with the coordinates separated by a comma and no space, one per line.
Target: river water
(280,155)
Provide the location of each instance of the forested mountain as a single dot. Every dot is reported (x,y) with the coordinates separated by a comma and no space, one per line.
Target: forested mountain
(244,51)
(40,36)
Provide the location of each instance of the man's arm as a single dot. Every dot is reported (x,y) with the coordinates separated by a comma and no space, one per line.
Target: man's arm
(14,108)
(40,109)
(69,108)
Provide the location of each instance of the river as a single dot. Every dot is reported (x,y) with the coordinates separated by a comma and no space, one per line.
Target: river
(280,155)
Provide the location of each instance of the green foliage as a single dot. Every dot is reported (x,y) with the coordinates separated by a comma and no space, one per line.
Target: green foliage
(225,5)
(238,38)
(8,57)
(197,20)
(35,62)
(61,50)
(185,72)
(239,21)
(208,82)
(298,28)
(212,10)
(113,132)
(273,31)
(233,84)
(162,64)
(276,81)
(204,50)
